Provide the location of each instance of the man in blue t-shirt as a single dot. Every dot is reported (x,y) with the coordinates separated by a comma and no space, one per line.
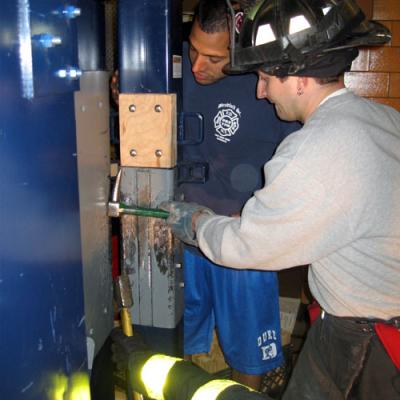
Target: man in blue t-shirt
(240,135)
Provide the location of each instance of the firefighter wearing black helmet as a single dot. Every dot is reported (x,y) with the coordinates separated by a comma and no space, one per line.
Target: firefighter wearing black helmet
(330,197)
(317,38)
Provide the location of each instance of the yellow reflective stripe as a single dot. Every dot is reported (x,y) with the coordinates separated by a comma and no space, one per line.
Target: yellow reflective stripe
(154,374)
(212,389)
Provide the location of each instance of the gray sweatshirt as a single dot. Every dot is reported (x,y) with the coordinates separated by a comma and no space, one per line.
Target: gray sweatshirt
(332,200)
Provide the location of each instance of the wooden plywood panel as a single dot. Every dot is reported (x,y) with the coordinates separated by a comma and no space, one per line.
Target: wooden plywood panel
(370,84)
(386,10)
(147,130)
(213,361)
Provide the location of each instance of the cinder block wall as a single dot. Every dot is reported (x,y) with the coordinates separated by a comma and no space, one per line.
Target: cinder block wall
(376,71)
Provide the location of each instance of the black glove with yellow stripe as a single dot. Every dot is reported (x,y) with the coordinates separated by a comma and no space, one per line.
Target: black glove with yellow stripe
(129,353)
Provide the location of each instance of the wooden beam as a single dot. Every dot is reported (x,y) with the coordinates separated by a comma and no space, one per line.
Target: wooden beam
(148,130)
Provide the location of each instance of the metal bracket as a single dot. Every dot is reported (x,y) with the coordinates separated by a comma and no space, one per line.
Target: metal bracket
(192,172)
(199,134)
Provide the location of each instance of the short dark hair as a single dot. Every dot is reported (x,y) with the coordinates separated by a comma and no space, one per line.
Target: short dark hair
(320,81)
(212,16)
(329,79)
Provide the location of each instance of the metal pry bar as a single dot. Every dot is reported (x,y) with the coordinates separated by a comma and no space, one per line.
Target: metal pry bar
(115,208)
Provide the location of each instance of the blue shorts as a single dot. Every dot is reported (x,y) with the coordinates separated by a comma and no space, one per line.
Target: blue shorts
(242,304)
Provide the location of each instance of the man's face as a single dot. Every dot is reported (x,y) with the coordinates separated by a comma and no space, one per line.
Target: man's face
(209,53)
(281,93)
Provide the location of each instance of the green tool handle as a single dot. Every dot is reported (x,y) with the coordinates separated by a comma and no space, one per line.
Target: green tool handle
(144,212)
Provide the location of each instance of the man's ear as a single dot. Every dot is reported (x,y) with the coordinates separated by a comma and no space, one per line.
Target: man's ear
(302,83)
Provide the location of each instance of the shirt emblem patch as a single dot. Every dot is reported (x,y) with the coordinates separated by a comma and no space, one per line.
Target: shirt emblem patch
(226,122)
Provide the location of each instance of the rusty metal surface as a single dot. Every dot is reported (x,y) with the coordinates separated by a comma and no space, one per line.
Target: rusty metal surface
(150,256)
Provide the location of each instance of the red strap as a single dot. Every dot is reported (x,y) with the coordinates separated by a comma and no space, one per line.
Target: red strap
(390,338)
(314,311)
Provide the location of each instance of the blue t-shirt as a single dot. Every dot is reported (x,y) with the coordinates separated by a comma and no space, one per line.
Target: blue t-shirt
(241,134)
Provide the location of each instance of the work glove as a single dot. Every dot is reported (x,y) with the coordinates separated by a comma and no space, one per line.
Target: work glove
(130,353)
(180,219)
(124,348)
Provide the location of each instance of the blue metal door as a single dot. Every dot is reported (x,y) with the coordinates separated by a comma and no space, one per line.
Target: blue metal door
(42,328)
